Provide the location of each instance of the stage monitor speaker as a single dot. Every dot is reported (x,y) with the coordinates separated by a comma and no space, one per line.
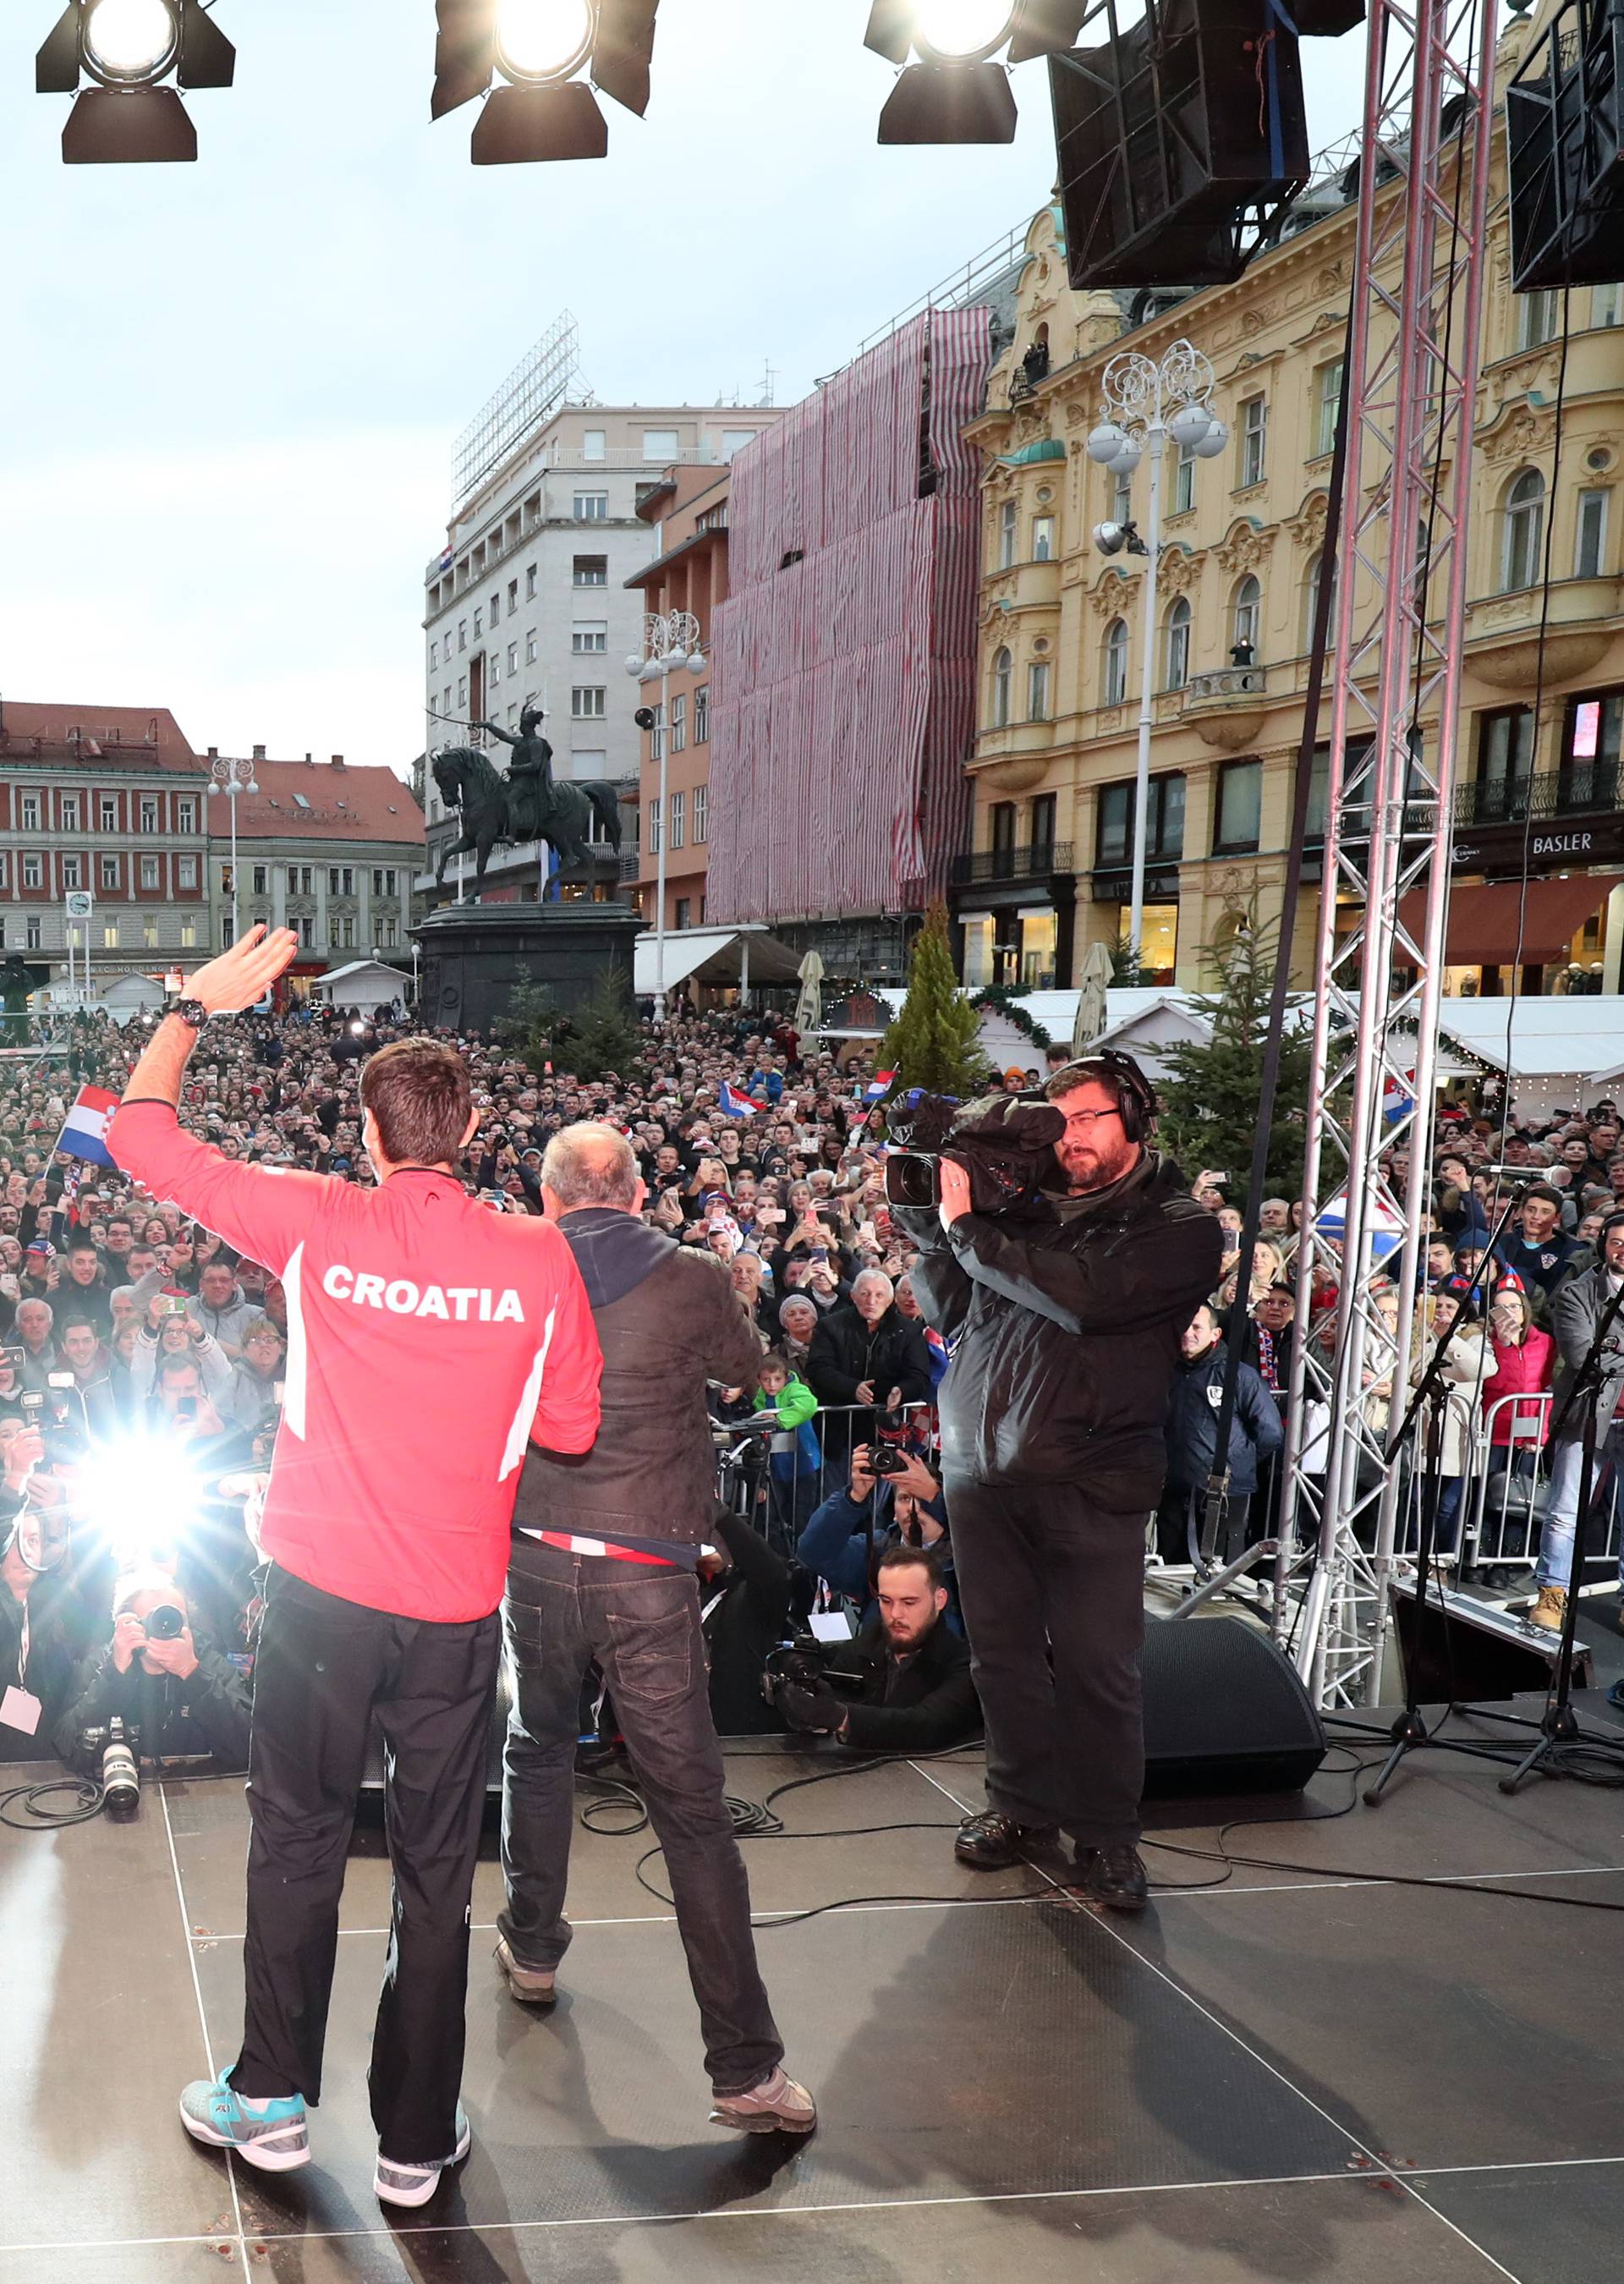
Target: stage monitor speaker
(1224,1711)
(1565,143)
(1460,1649)
(1173,137)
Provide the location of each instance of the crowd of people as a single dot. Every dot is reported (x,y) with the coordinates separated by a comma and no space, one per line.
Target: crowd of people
(128,1327)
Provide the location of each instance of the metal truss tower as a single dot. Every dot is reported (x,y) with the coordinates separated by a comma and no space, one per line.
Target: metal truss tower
(1418,295)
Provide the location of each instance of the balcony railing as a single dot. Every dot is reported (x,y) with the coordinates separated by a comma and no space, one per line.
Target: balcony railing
(1226,682)
(1578,791)
(1039,861)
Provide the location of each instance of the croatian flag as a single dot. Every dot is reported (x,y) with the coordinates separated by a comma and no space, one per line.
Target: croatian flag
(877,1085)
(84,1130)
(735,1105)
(1396,1103)
(940,1355)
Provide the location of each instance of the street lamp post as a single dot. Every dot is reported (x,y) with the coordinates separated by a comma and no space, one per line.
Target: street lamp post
(231,778)
(1145,404)
(671,644)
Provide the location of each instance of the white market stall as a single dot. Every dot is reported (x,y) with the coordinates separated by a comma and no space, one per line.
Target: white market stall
(365,983)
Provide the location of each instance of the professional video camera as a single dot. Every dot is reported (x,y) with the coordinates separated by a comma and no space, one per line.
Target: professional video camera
(1006,1145)
(805,1664)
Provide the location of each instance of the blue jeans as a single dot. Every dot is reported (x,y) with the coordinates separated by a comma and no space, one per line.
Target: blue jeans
(1556,1560)
(642,1624)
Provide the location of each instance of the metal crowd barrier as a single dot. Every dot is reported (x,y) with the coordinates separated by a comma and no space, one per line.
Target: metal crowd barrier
(780,1499)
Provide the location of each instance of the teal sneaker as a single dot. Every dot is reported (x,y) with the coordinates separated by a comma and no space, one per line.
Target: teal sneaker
(415,2185)
(273,2135)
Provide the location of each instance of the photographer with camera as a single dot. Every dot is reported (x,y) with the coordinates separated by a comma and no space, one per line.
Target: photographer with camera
(1066,1299)
(174,1692)
(36,1656)
(840,1539)
(914,1692)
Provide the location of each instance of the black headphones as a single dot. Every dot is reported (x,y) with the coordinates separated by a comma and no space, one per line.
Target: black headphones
(1136,1095)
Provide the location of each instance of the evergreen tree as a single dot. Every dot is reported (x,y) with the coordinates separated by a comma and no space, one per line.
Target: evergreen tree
(935,1041)
(532,1022)
(604,1035)
(1210,1099)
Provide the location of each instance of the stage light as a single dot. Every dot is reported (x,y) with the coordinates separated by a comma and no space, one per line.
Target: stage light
(128,47)
(129,40)
(956,92)
(962,31)
(140,1496)
(1111,538)
(537,47)
(539,40)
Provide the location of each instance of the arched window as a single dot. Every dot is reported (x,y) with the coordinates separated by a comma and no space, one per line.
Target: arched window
(1247,623)
(1003,672)
(1524,530)
(1178,644)
(1116,661)
(1310,610)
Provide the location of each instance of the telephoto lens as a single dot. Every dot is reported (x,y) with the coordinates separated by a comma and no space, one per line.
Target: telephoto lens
(165,1623)
(121,1777)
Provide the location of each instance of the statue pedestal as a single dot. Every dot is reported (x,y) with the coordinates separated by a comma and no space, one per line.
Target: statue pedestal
(475,954)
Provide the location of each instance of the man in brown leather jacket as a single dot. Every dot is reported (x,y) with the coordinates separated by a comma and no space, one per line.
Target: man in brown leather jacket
(605,1555)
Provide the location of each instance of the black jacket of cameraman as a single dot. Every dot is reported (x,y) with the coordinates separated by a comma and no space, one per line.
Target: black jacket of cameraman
(209,1712)
(922,1705)
(1068,1331)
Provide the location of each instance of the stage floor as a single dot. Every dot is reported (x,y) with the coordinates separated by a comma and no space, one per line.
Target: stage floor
(1295,2076)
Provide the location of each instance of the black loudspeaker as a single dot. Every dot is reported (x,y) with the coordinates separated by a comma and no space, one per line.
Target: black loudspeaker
(1565,145)
(1224,1711)
(1175,136)
(1466,1649)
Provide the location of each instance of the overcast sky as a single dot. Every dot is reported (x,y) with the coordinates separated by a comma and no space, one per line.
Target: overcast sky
(230,391)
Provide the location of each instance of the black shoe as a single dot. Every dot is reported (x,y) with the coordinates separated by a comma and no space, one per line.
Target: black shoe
(991,1842)
(1114,1877)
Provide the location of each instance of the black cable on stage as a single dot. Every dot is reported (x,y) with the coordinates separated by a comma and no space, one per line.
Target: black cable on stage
(89,1802)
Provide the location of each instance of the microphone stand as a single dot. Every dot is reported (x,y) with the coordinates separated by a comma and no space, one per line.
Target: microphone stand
(1411,1730)
(1559,1725)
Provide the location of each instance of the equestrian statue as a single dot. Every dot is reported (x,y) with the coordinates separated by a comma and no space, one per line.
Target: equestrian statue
(528,804)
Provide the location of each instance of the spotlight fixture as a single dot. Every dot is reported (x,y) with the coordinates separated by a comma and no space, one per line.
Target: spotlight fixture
(128,48)
(956,92)
(1112,538)
(538,48)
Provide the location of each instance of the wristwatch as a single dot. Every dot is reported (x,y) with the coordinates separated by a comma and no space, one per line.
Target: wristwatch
(190,1011)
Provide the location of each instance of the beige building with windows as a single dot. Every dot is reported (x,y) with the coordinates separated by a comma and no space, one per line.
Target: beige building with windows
(1048,871)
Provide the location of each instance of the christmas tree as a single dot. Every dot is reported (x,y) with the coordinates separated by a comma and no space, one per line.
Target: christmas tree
(1209,1102)
(935,1041)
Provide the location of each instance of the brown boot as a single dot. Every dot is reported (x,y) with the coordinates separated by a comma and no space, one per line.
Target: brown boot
(1548,1610)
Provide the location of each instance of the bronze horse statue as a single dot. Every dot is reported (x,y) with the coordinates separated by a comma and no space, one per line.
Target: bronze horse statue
(495,811)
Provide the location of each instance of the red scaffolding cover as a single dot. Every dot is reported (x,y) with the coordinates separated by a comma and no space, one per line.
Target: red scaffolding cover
(843,690)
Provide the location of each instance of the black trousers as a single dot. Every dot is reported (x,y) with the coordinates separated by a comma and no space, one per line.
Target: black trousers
(325,1666)
(1181,1512)
(642,1624)
(1052,1590)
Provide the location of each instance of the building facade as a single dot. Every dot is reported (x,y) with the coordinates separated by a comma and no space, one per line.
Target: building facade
(689,511)
(1046,872)
(106,802)
(528,602)
(327,849)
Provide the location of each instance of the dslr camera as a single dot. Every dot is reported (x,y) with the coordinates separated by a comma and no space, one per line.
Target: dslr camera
(1006,1145)
(805,1664)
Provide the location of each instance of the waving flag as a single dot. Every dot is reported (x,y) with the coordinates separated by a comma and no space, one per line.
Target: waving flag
(736,1105)
(1395,1102)
(877,1085)
(84,1130)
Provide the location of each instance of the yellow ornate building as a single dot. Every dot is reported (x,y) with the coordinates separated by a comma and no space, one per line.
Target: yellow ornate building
(1047,874)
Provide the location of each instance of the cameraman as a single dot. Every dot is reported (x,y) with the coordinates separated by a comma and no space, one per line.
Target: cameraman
(838,1546)
(172,1691)
(1067,1321)
(917,1694)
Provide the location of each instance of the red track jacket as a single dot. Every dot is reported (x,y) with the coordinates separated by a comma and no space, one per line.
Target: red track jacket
(429,1339)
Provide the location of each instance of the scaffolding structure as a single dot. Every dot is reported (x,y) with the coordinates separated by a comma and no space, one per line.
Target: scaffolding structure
(533,390)
(1417,301)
